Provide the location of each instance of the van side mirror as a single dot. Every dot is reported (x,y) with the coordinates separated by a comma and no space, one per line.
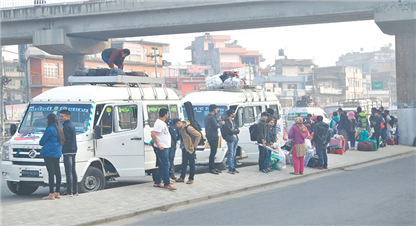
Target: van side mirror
(13,129)
(97,132)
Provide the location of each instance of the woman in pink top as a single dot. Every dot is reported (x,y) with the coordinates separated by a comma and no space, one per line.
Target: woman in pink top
(298,134)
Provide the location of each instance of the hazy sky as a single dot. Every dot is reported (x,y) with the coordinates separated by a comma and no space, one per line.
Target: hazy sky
(322,42)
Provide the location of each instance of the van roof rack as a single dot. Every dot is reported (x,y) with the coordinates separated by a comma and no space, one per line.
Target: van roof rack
(114,80)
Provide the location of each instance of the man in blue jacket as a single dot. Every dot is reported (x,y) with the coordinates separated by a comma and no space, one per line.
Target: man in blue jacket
(69,150)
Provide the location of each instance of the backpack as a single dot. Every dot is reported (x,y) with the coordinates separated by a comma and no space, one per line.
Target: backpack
(191,117)
(202,141)
(253,132)
(361,121)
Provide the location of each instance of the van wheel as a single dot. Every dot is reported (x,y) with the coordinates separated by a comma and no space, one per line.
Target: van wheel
(222,165)
(93,180)
(21,188)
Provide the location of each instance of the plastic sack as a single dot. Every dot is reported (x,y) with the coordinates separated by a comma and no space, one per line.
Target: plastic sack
(288,157)
(281,164)
(274,159)
(308,144)
(309,154)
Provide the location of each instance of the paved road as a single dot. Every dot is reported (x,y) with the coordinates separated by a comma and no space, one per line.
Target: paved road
(381,194)
(8,198)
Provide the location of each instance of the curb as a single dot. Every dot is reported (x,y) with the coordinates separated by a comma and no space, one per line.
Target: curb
(239,190)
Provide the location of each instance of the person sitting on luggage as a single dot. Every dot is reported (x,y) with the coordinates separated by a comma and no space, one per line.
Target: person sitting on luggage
(115,56)
(189,142)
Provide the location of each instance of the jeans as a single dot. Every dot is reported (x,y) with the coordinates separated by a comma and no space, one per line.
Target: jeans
(52,166)
(188,158)
(262,157)
(267,161)
(213,144)
(351,137)
(172,152)
(323,158)
(106,59)
(163,162)
(376,137)
(71,174)
(388,134)
(384,136)
(232,148)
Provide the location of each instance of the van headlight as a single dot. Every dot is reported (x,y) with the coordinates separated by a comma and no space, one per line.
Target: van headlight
(5,153)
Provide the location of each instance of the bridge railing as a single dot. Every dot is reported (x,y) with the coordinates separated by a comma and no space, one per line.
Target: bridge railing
(5,4)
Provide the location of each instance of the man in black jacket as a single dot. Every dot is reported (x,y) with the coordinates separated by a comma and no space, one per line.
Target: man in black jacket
(229,133)
(320,139)
(211,132)
(69,150)
(261,140)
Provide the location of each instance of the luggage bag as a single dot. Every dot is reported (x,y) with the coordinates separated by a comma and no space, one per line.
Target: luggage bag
(335,141)
(390,141)
(365,146)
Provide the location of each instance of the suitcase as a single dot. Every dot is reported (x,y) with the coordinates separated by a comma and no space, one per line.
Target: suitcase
(338,142)
(81,72)
(365,146)
(390,141)
(337,151)
(374,144)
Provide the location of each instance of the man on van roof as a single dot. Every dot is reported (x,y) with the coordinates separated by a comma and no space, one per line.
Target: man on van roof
(115,56)
(162,141)
(211,132)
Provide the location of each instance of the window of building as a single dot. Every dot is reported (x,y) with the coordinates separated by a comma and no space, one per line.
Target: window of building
(302,69)
(50,70)
(206,72)
(173,85)
(10,69)
(248,60)
(153,113)
(127,118)
(193,87)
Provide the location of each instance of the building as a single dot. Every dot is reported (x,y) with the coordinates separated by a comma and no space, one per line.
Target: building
(46,71)
(332,84)
(380,65)
(15,91)
(186,85)
(221,54)
(287,78)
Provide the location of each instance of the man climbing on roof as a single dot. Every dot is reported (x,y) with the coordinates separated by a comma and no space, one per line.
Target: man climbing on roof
(115,56)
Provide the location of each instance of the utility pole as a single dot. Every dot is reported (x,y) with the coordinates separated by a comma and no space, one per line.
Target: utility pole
(155,56)
(1,99)
(353,83)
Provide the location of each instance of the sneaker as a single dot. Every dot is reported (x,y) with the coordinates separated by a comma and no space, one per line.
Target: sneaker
(326,167)
(319,168)
(158,185)
(235,171)
(264,171)
(231,171)
(180,179)
(214,172)
(170,187)
(190,182)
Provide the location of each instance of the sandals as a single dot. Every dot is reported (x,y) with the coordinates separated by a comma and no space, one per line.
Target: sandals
(49,197)
(57,195)
(294,173)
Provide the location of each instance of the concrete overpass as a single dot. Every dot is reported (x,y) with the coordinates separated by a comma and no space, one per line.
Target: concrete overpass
(79,29)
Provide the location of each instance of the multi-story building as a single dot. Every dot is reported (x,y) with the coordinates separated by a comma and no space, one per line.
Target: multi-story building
(332,84)
(217,51)
(14,91)
(46,71)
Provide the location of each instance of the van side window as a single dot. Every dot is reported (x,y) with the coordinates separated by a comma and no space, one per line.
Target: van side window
(106,122)
(276,111)
(248,115)
(258,110)
(153,113)
(239,117)
(173,111)
(127,118)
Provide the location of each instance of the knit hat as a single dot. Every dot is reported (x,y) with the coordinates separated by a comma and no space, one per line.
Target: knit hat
(351,115)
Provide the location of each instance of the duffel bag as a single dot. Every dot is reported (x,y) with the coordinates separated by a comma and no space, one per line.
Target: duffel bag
(81,72)
(92,72)
(374,144)
(102,71)
(390,141)
(313,161)
(365,146)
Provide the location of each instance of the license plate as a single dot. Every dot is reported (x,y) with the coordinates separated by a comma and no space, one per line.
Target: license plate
(30,173)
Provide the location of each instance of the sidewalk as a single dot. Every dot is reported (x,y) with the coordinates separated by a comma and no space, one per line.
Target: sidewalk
(118,203)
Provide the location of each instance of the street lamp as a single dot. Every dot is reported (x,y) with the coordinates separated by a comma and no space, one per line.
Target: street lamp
(154,55)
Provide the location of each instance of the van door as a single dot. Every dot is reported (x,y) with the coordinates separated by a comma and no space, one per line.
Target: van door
(122,138)
(245,116)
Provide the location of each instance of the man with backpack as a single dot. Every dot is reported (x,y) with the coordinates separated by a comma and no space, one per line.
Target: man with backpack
(229,132)
(261,140)
(190,138)
(361,117)
(321,137)
(211,132)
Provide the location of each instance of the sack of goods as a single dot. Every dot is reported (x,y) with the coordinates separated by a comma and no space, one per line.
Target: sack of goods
(228,80)
(274,159)
(99,72)
(309,154)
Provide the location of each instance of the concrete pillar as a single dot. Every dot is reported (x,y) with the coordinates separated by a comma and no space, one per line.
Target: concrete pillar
(72,62)
(399,19)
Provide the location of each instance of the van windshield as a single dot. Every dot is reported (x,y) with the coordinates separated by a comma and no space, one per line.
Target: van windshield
(201,112)
(292,116)
(35,117)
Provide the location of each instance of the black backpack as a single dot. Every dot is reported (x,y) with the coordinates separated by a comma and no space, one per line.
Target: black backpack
(253,132)
(191,117)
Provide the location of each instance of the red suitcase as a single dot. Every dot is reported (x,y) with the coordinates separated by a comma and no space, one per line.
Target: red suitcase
(390,141)
(338,142)
(337,151)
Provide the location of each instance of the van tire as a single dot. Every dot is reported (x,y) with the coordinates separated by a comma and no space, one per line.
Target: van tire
(21,188)
(93,180)
(222,165)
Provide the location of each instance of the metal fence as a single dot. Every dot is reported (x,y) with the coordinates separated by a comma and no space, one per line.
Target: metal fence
(25,3)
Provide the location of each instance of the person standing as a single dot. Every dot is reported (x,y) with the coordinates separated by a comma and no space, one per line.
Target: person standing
(384,129)
(69,150)
(261,140)
(270,139)
(320,140)
(211,132)
(162,141)
(389,124)
(361,118)
(172,150)
(334,123)
(343,126)
(298,133)
(190,138)
(351,132)
(115,56)
(308,122)
(52,140)
(376,124)
(230,131)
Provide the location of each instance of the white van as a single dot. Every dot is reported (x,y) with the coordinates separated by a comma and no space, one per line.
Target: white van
(303,112)
(248,104)
(113,126)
